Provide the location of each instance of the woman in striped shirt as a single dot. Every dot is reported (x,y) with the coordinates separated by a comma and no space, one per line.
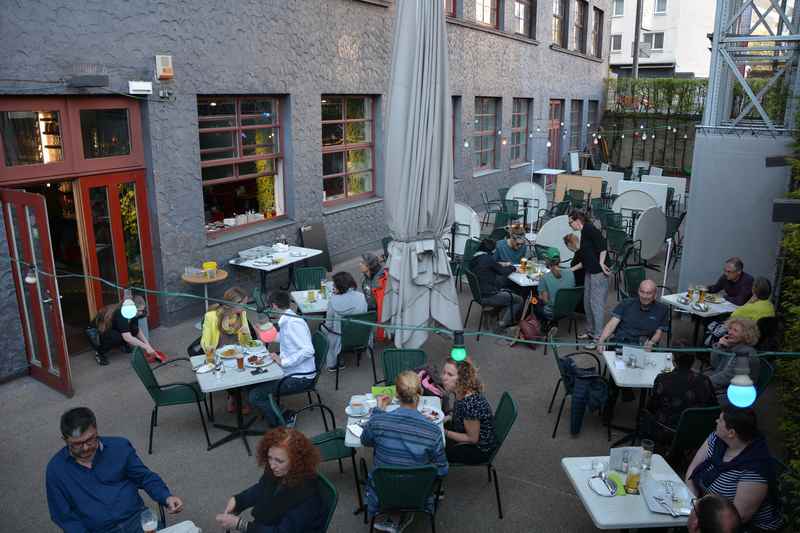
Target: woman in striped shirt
(736,464)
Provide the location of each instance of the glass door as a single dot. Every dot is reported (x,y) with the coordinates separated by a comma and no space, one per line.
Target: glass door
(33,268)
(116,231)
(554,134)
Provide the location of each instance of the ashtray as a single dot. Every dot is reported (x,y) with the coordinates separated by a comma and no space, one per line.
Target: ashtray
(700,307)
(684,300)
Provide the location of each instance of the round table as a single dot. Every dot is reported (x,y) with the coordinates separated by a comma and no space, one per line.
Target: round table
(205,281)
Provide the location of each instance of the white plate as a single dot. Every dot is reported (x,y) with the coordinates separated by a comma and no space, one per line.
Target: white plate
(437,416)
(599,488)
(350,413)
(227,347)
(265,361)
(202,369)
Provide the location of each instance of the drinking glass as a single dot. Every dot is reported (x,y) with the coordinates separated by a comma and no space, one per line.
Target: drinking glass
(647,453)
(598,467)
(690,292)
(632,481)
(240,362)
(701,294)
(668,362)
(149,521)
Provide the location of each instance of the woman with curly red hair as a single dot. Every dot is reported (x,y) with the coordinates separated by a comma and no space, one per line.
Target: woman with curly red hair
(286,498)
(469,429)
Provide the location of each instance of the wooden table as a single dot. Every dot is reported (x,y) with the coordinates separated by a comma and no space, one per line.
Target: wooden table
(205,281)
(272,261)
(620,512)
(233,380)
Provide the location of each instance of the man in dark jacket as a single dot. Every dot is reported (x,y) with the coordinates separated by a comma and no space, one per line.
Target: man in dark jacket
(492,279)
(734,282)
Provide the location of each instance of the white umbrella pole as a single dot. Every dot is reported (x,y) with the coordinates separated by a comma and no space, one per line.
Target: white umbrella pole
(666,266)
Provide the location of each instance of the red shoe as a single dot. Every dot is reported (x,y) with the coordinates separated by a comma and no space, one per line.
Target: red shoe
(161,356)
(151,357)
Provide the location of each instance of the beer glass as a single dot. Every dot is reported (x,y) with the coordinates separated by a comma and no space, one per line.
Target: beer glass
(701,294)
(690,292)
(240,362)
(632,481)
(149,521)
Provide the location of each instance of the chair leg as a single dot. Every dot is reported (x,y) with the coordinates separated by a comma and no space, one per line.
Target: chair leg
(371,523)
(558,419)
(321,410)
(433,523)
(310,401)
(203,421)
(553,399)
(341,468)
(152,424)
(489,471)
(338,362)
(497,493)
(211,407)
(469,309)
(372,357)
(155,420)
(480,326)
(358,485)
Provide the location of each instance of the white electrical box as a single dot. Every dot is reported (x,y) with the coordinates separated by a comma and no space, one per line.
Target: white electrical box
(164,68)
(140,87)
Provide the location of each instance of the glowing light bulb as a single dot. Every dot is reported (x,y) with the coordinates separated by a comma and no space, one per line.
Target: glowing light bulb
(458,352)
(128,308)
(623,136)
(549,144)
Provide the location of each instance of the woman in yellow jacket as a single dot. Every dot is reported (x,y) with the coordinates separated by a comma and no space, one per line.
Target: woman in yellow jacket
(759,305)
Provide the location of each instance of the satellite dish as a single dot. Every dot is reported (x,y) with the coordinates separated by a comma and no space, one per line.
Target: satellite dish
(537,198)
(651,227)
(465,217)
(634,200)
(552,234)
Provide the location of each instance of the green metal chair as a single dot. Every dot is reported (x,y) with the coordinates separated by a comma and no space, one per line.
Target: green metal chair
(512,209)
(260,299)
(765,374)
(330,443)
(694,426)
(168,393)
(356,338)
(490,207)
(564,306)
(308,278)
(502,192)
(498,234)
(504,417)
(568,380)
(470,247)
(475,289)
(320,342)
(396,361)
(405,489)
(501,220)
(595,204)
(631,278)
(330,498)
(577,198)
(541,251)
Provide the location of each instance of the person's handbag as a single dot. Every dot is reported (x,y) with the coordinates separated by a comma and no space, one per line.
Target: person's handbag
(531,330)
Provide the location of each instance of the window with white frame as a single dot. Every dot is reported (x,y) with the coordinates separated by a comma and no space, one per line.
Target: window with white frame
(619,8)
(655,40)
(486,12)
(661,7)
(616,43)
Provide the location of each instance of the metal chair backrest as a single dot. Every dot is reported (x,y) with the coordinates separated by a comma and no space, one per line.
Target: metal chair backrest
(397,360)
(562,208)
(632,277)
(765,374)
(511,208)
(541,251)
(330,498)
(474,286)
(355,335)
(567,380)
(145,373)
(577,197)
(694,426)
(566,302)
(498,234)
(308,278)
(331,445)
(403,488)
(320,342)
(501,193)
(596,204)
(613,220)
(470,247)
(504,417)
(501,219)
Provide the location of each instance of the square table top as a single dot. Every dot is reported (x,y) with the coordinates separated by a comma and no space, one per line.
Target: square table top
(294,254)
(713,309)
(636,378)
(233,378)
(187,526)
(523,280)
(620,512)
(351,441)
(318,306)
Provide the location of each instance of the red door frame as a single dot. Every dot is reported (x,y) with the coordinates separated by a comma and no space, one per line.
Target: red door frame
(112,183)
(41,368)
(556,116)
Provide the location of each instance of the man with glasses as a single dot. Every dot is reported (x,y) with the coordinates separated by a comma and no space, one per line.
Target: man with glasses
(734,282)
(93,482)
(713,514)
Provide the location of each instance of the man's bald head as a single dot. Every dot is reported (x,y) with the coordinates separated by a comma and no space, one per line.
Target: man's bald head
(714,514)
(647,292)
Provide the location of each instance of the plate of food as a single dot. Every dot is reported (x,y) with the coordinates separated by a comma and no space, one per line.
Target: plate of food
(229,351)
(253,346)
(432,414)
(714,298)
(257,361)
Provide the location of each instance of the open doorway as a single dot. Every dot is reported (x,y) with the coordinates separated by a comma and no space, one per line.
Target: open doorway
(62,215)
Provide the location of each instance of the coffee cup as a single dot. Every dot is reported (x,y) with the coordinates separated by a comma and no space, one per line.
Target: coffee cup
(358,407)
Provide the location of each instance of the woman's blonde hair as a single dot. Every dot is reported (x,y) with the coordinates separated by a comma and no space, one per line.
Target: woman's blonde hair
(468,382)
(750,333)
(408,387)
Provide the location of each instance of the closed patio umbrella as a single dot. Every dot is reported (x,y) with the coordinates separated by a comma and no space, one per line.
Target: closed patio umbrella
(419,175)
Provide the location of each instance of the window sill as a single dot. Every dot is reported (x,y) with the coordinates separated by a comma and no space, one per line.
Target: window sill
(332,210)
(487,172)
(519,165)
(489,29)
(557,48)
(379,3)
(216,238)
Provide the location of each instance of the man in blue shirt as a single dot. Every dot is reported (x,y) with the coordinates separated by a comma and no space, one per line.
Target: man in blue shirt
(640,320)
(512,249)
(93,482)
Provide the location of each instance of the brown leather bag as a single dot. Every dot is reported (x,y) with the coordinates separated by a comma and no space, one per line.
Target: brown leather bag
(531,330)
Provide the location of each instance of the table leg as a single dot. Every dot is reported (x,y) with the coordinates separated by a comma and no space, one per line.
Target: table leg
(525,309)
(241,429)
(199,324)
(696,319)
(633,435)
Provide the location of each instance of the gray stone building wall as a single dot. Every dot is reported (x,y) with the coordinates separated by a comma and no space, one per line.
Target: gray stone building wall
(299,50)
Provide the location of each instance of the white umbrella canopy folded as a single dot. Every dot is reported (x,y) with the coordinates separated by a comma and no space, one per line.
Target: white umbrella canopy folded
(419,175)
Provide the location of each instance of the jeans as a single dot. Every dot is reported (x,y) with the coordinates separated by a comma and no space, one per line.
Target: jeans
(109,340)
(259,395)
(511,303)
(131,525)
(595,294)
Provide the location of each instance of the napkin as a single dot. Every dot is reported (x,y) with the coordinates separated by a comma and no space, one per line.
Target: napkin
(355,429)
(388,391)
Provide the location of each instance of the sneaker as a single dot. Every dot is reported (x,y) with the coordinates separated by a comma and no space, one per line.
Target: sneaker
(385,524)
(585,336)
(101,359)
(591,346)
(405,521)
(333,368)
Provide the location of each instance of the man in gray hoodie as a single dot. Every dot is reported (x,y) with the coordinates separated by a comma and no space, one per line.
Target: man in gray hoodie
(345,300)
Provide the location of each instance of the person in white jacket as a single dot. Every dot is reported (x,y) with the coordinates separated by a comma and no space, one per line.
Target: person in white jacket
(345,300)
